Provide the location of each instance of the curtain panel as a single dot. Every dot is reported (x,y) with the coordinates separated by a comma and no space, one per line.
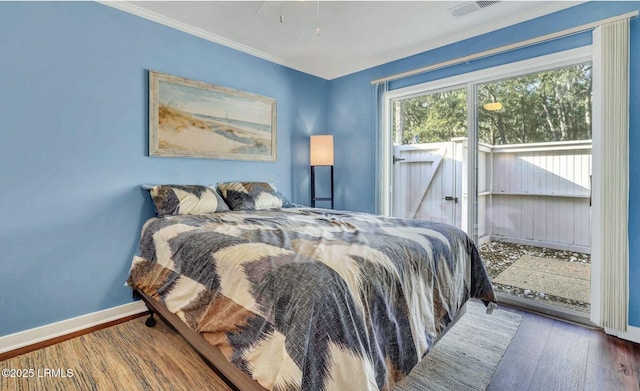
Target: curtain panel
(611,172)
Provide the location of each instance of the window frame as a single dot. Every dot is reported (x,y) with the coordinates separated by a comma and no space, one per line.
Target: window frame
(471,81)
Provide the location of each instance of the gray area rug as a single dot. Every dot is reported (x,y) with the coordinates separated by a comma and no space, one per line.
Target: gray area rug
(468,355)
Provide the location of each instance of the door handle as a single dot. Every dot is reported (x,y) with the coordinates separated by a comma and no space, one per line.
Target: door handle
(450,198)
(590,189)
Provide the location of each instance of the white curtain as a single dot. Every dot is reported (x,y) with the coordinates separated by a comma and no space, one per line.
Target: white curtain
(378,128)
(611,175)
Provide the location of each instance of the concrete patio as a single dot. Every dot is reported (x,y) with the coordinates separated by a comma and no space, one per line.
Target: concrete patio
(555,277)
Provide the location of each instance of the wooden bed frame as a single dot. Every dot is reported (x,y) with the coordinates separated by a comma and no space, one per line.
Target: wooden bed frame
(233,376)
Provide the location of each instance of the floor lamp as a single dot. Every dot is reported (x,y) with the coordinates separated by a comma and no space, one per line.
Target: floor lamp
(321,154)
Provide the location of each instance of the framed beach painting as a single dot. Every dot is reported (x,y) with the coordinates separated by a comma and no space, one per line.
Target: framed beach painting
(191,118)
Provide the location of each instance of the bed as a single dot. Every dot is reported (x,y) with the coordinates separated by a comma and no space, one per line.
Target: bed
(279,297)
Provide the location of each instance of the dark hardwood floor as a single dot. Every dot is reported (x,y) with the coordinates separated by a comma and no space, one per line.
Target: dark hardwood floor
(548,354)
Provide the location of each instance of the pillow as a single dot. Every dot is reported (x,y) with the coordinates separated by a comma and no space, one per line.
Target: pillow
(171,200)
(252,196)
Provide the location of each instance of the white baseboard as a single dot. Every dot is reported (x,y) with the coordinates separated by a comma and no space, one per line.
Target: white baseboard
(29,337)
(632,334)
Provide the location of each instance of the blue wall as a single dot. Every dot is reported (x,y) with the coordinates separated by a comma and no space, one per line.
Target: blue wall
(634,180)
(74,135)
(351,108)
(73,147)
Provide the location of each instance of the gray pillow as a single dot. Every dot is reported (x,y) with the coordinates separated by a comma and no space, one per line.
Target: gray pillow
(171,200)
(252,196)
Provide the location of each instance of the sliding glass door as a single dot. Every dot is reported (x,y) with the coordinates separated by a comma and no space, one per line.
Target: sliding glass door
(536,130)
(505,154)
(428,133)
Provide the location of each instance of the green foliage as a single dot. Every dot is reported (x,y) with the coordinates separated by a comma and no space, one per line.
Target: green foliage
(433,117)
(548,106)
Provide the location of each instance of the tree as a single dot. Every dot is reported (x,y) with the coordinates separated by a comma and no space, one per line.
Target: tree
(553,105)
(431,118)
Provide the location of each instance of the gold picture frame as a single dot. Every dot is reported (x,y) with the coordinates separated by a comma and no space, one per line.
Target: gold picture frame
(190,118)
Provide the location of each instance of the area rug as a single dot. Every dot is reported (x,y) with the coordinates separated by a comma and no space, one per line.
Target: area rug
(468,355)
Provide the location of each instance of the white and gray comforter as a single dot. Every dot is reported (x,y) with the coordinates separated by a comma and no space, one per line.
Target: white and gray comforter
(312,299)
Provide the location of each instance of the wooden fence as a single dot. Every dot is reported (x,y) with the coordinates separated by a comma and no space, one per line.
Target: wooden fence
(536,194)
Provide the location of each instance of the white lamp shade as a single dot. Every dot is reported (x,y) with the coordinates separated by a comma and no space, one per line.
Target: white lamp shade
(321,150)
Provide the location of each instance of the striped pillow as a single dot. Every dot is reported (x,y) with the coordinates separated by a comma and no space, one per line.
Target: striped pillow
(171,200)
(252,196)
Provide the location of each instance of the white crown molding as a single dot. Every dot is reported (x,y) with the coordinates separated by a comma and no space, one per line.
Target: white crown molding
(169,22)
(53,330)
(548,8)
(433,44)
(354,65)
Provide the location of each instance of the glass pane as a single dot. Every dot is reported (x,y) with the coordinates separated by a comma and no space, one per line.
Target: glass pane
(429,118)
(429,131)
(534,186)
(548,106)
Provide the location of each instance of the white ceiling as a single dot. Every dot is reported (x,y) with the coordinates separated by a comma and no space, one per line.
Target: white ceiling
(354,35)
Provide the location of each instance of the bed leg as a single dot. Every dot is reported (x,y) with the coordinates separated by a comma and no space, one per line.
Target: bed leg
(151,321)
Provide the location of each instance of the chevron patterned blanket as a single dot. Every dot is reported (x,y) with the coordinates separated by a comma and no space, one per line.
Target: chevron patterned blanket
(312,299)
